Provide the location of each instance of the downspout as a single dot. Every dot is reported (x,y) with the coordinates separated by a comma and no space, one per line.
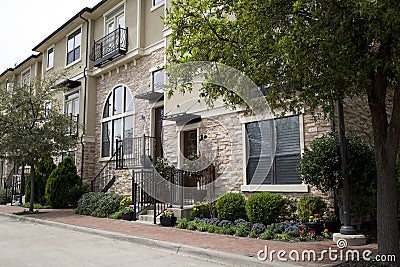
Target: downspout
(84,94)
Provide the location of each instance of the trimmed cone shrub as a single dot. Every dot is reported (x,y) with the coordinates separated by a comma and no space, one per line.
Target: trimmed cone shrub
(309,205)
(64,187)
(231,206)
(42,172)
(265,207)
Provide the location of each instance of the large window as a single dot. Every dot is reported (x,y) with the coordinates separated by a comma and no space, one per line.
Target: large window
(274,151)
(50,58)
(117,122)
(157,80)
(26,77)
(72,110)
(74,47)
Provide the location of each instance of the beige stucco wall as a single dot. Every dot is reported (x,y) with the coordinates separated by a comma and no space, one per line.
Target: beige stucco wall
(152,23)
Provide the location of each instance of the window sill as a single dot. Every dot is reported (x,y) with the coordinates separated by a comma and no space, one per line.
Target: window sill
(73,63)
(290,188)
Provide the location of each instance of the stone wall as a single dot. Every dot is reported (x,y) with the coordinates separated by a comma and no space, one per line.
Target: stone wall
(136,76)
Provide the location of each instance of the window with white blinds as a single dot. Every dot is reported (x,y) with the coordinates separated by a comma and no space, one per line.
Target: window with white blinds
(273,161)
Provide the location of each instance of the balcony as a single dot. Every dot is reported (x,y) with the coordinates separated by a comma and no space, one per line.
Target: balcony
(109,47)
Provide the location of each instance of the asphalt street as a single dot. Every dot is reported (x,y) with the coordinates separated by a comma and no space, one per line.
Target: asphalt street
(30,244)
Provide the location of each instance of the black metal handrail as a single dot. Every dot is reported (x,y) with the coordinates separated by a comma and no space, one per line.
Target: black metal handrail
(107,167)
(110,45)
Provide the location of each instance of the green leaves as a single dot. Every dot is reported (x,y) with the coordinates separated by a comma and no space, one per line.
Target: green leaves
(29,130)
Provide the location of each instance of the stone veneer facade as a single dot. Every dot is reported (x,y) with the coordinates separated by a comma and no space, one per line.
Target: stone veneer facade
(136,76)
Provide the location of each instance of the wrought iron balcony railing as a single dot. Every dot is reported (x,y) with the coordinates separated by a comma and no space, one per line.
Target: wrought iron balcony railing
(110,46)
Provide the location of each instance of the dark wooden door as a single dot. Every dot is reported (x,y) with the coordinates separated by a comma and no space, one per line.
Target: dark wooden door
(190,150)
(158,124)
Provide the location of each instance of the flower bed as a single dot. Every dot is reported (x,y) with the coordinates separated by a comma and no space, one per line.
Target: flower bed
(284,231)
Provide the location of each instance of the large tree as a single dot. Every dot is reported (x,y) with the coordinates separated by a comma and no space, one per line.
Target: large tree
(33,125)
(308,53)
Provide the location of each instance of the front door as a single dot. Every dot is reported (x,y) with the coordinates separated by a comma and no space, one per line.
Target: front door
(158,124)
(190,152)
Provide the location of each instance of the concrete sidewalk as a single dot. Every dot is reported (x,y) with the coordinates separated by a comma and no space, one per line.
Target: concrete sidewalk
(229,250)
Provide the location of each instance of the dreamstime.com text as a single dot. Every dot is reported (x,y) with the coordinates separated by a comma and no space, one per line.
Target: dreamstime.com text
(330,254)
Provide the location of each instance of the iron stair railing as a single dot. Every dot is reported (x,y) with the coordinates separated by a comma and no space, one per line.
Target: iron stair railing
(106,176)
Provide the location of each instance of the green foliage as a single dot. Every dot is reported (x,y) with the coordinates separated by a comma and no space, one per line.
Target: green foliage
(42,173)
(231,206)
(306,54)
(182,223)
(29,130)
(35,206)
(265,207)
(88,203)
(64,187)
(99,204)
(116,215)
(5,197)
(309,205)
(320,165)
(201,210)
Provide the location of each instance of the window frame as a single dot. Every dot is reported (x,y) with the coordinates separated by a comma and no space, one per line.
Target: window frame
(25,72)
(290,188)
(70,36)
(50,51)
(156,3)
(110,119)
(153,84)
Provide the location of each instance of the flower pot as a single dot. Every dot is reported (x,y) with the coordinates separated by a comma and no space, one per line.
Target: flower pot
(332,226)
(167,221)
(317,227)
(128,215)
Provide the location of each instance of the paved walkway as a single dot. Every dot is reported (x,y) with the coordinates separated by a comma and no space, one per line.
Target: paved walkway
(228,249)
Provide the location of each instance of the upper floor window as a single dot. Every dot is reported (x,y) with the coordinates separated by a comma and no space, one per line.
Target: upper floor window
(26,77)
(8,86)
(115,19)
(74,46)
(117,122)
(273,159)
(50,58)
(157,80)
(156,2)
(72,104)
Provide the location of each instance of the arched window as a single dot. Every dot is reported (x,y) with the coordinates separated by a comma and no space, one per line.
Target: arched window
(117,122)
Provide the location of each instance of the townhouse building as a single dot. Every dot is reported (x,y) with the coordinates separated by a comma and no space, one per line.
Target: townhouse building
(114,55)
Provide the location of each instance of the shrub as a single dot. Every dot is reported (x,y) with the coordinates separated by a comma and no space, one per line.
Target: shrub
(231,206)
(5,197)
(99,204)
(265,207)
(64,187)
(309,205)
(320,167)
(88,203)
(107,205)
(42,172)
(201,210)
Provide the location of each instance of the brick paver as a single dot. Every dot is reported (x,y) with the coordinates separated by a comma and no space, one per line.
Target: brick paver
(230,244)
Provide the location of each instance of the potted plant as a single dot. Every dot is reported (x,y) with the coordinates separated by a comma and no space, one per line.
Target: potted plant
(314,224)
(128,213)
(167,218)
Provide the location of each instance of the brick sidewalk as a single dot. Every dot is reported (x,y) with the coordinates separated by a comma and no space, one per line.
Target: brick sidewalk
(230,244)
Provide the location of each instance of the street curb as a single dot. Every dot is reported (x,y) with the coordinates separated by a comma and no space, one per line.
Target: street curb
(219,257)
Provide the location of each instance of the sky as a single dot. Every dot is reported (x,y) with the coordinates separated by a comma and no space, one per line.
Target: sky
(25,23)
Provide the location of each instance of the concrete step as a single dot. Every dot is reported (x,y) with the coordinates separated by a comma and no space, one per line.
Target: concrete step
(148,218)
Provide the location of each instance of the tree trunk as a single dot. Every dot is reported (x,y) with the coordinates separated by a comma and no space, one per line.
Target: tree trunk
(386,130)
(32,200)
